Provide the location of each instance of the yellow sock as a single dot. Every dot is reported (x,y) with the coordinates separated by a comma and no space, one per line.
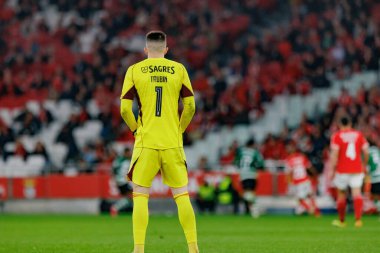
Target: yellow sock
(187,219)
(140,218)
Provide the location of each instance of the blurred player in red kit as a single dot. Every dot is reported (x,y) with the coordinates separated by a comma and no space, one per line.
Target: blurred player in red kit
(297,166)
(349,156)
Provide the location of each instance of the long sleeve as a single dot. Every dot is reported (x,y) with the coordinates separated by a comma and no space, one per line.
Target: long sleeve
(188,112)
(188,101)
(126,100)
(127,114)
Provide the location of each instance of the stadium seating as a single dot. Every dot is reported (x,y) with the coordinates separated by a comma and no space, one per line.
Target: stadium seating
(3,169)
(87,133)
(35,164)
(58,153)
(6,116)
(15,166)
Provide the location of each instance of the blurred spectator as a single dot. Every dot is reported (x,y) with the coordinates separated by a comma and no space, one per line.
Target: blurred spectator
(20,150)
(203,164)
(206,198)
(40,149)
(101,152)
(319,79)
(273,148)
(319,145)
(6,136)
(227,194)
(8,86)
(229,157)
(30,124)
(45,116)
(108,131)
(38,82)
(69,91)
(83,116)
(66,137)
(89,155)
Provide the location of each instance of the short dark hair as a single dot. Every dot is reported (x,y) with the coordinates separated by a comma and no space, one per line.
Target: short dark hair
(345,121)
(157,36)
(250,142)
(371,142)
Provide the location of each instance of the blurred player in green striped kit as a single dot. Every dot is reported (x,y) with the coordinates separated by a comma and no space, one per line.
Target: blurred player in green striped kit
(119,170)
(248,159)
(374,173)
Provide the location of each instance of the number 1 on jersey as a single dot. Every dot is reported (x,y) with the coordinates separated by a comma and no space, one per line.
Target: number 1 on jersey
(158,100)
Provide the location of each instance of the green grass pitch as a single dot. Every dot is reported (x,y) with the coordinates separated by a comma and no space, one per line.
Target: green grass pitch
(217,234)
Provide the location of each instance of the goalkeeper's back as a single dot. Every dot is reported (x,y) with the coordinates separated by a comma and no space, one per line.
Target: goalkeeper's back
(158,84)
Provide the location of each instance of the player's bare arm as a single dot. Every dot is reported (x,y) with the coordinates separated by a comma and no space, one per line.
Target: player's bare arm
(365,157)
(333,161)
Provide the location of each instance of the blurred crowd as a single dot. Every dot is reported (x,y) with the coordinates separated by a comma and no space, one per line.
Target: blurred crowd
(240,54)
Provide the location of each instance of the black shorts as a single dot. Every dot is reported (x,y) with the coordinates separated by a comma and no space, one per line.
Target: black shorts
(375,188)
(124,189)
(249,184)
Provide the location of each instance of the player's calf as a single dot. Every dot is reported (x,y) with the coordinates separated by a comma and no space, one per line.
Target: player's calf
(140,217)
(341,207)
(186,217)
(358,203)
(305,205)
(315,210)
(250,198)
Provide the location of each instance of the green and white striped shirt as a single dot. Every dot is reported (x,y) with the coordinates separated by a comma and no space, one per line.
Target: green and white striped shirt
(247,161)
(374,164)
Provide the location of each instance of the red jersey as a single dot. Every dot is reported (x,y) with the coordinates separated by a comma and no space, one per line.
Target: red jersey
(350,144)
(296,165)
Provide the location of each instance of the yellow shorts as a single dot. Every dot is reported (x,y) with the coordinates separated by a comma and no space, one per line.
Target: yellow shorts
(146,163)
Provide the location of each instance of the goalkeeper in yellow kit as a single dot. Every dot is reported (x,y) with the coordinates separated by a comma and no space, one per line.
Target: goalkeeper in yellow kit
(158,84)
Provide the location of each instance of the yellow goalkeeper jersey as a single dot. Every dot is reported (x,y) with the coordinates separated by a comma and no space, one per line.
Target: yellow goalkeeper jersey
(158,84)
